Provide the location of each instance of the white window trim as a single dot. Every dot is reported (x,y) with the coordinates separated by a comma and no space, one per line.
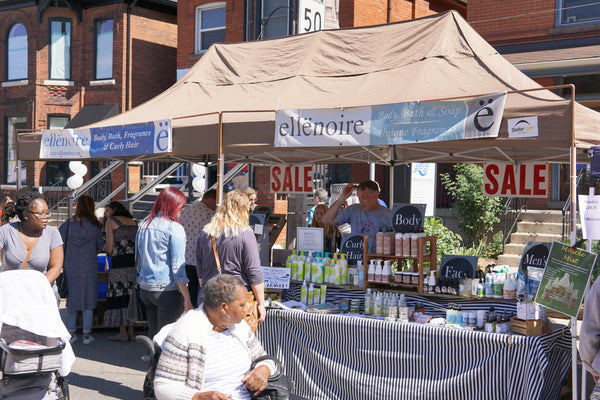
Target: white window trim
(58,82)
(101,82)
(20,82)
(559,22)
(199,9)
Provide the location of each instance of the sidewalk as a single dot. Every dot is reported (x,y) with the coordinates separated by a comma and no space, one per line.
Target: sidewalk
(106,370)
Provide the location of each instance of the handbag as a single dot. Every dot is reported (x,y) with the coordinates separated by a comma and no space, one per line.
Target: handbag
(136,311)
(279,386)
(61,281)
(251,317)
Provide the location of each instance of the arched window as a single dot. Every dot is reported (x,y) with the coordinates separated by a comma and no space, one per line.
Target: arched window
(17,53)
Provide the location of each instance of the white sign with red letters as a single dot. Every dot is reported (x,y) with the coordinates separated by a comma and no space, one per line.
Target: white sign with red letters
(522,180)
(291,179)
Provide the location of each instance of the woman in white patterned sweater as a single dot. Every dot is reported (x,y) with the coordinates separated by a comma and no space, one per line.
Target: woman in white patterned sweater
(208,351)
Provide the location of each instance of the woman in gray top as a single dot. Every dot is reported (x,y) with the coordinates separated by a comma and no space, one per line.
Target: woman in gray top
(83,239)
(236,247)
(31,243)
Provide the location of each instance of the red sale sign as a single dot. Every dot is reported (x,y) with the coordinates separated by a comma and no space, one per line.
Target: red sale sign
(292,179)
(523,180)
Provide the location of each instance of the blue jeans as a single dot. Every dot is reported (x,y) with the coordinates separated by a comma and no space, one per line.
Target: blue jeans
(88,315)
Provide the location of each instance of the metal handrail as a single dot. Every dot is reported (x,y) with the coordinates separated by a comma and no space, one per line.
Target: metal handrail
(513,207)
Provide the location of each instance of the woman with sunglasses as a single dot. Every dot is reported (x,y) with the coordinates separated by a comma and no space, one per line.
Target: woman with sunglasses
(30,243)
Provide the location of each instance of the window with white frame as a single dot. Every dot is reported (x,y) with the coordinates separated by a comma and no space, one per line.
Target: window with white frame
(17,53)
(60,49)
(210,25)
(275,18)
(571,12)
(104,49)
(13,124)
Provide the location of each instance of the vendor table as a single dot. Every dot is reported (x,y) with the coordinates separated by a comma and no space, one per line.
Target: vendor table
(346,357)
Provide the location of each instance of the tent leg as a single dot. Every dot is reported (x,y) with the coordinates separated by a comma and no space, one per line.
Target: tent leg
(221,166)
(573,215)
(372,171)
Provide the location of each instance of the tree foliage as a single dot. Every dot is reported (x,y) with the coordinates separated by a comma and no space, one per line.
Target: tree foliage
(477,213)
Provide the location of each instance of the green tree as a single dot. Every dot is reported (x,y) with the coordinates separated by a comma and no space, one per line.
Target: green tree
(477,213)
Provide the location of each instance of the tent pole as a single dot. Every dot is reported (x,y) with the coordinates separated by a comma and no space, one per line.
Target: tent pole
(573,215)
(220,168)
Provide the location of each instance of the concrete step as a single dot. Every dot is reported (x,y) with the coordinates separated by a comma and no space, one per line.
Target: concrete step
(540,227)
(523,238)
(510,259)
(541,216)
(514,249)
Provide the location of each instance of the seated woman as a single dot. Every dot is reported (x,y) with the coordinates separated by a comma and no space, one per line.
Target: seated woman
(331,233)
(208,351)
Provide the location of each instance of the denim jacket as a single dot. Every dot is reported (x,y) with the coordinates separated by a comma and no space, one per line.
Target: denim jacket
(160,254)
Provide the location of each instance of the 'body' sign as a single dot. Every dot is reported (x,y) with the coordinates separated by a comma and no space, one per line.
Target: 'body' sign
(291,179)
(523,180)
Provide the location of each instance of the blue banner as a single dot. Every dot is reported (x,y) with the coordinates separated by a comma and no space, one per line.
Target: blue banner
(107,142)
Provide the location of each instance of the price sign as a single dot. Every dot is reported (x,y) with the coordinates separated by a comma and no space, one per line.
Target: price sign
(309,239)
(276,277)
(408,218)
(458,267)
(311,16)
(352,245)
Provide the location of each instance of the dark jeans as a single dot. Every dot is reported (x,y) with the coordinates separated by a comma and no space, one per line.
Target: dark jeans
(193,285)
(162,308)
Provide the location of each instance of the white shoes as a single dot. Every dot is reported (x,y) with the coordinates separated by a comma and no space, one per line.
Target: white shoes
(73,339)
(88,339)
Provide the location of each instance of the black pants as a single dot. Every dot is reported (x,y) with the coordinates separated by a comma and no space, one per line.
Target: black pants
(162,308)
(193,285)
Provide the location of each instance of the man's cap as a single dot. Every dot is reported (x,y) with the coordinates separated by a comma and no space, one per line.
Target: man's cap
(369,184)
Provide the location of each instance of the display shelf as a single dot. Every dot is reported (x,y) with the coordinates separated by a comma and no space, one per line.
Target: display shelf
(427,242)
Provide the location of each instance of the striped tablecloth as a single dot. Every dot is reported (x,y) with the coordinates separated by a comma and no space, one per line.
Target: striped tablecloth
(345,358)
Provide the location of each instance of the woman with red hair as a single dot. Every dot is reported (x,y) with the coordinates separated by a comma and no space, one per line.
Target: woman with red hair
(160,261)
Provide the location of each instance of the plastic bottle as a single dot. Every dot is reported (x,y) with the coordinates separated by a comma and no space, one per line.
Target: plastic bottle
(344,266)
(291,264)
(304,293)
(337,273)
(480,289)
(510,287)
(385,305)
(498,284)
(323,294)
(489,283)
(313,270)
(431,282)
(316,296)
(398,242)
(402,309)
(414,248)
(393,308)
(310,294)
(459,316)
(379,242)
(371,271)
(361,273)
(378,304)
(320,267)
(378,271)
(308,266)
(406,245)
(300,266)
(388,242)
(386,273)
(368,302)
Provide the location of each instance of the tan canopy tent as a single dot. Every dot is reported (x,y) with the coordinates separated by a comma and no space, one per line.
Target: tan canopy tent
(432,58)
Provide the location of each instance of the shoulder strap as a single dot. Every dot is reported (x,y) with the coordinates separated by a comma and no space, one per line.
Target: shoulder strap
(29,252)
(214,244)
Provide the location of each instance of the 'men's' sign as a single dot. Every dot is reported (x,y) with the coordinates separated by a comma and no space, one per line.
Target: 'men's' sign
(523,180)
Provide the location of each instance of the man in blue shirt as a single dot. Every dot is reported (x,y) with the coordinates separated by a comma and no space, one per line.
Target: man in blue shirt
(367,217)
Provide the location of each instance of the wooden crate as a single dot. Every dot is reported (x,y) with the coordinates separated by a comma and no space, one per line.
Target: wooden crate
(530,327)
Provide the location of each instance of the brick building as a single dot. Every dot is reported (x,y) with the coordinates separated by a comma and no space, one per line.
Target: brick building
(554,42)
(73,63)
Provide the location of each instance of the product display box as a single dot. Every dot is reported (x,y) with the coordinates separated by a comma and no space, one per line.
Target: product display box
(531,311)
(530,327)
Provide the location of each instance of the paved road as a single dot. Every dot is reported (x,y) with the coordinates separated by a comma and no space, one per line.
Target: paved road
(106,370)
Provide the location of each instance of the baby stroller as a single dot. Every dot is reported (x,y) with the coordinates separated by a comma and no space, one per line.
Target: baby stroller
(35,353)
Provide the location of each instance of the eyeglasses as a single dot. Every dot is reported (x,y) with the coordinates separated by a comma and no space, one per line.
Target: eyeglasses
(42,214)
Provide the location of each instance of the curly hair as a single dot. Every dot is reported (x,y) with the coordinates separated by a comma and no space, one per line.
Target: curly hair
(23,199)
(7,206)
(220,289)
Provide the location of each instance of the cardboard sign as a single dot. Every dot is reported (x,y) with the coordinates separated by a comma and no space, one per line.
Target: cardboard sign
(458,267)
(407,218)
(352,245)
(523,180)
(565,278)
(291,179)
(309,239)
(276,277)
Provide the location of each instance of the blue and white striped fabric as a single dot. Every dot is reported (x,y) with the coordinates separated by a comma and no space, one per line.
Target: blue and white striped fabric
(344,358)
